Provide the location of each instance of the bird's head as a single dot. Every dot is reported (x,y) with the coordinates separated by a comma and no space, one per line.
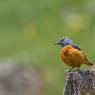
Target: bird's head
(64,41)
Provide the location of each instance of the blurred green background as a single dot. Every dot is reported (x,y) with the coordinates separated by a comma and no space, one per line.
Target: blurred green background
(28,28)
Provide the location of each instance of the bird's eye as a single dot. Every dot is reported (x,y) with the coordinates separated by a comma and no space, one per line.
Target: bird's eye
(61,41)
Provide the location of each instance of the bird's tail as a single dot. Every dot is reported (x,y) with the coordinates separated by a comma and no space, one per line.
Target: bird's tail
(88,63)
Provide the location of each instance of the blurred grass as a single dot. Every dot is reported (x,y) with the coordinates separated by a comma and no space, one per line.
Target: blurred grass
(28,28)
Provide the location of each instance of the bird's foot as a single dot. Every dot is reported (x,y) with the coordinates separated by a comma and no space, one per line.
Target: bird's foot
(70,70)
(78,69)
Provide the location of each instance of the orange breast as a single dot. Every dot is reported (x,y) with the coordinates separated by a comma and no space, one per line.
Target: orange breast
(71,56)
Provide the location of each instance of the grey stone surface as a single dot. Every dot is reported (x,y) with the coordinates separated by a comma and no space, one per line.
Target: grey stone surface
(80,82)
(19,79)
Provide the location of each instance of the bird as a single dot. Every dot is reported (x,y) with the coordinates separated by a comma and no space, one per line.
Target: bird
(71,53)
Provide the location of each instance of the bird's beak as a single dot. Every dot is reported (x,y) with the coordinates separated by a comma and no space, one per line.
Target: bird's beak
(57,43)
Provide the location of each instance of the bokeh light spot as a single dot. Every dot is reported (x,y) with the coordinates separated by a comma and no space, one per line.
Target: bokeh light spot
(74,21)
(29,31)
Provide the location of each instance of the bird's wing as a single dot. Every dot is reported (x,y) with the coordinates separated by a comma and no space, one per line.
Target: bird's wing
(76,46)
(79,56)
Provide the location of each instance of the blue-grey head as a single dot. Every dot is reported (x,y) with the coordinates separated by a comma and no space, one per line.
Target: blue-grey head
(64,41)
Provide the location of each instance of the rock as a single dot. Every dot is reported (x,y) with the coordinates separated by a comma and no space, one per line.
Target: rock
(80,82)
(19,79)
